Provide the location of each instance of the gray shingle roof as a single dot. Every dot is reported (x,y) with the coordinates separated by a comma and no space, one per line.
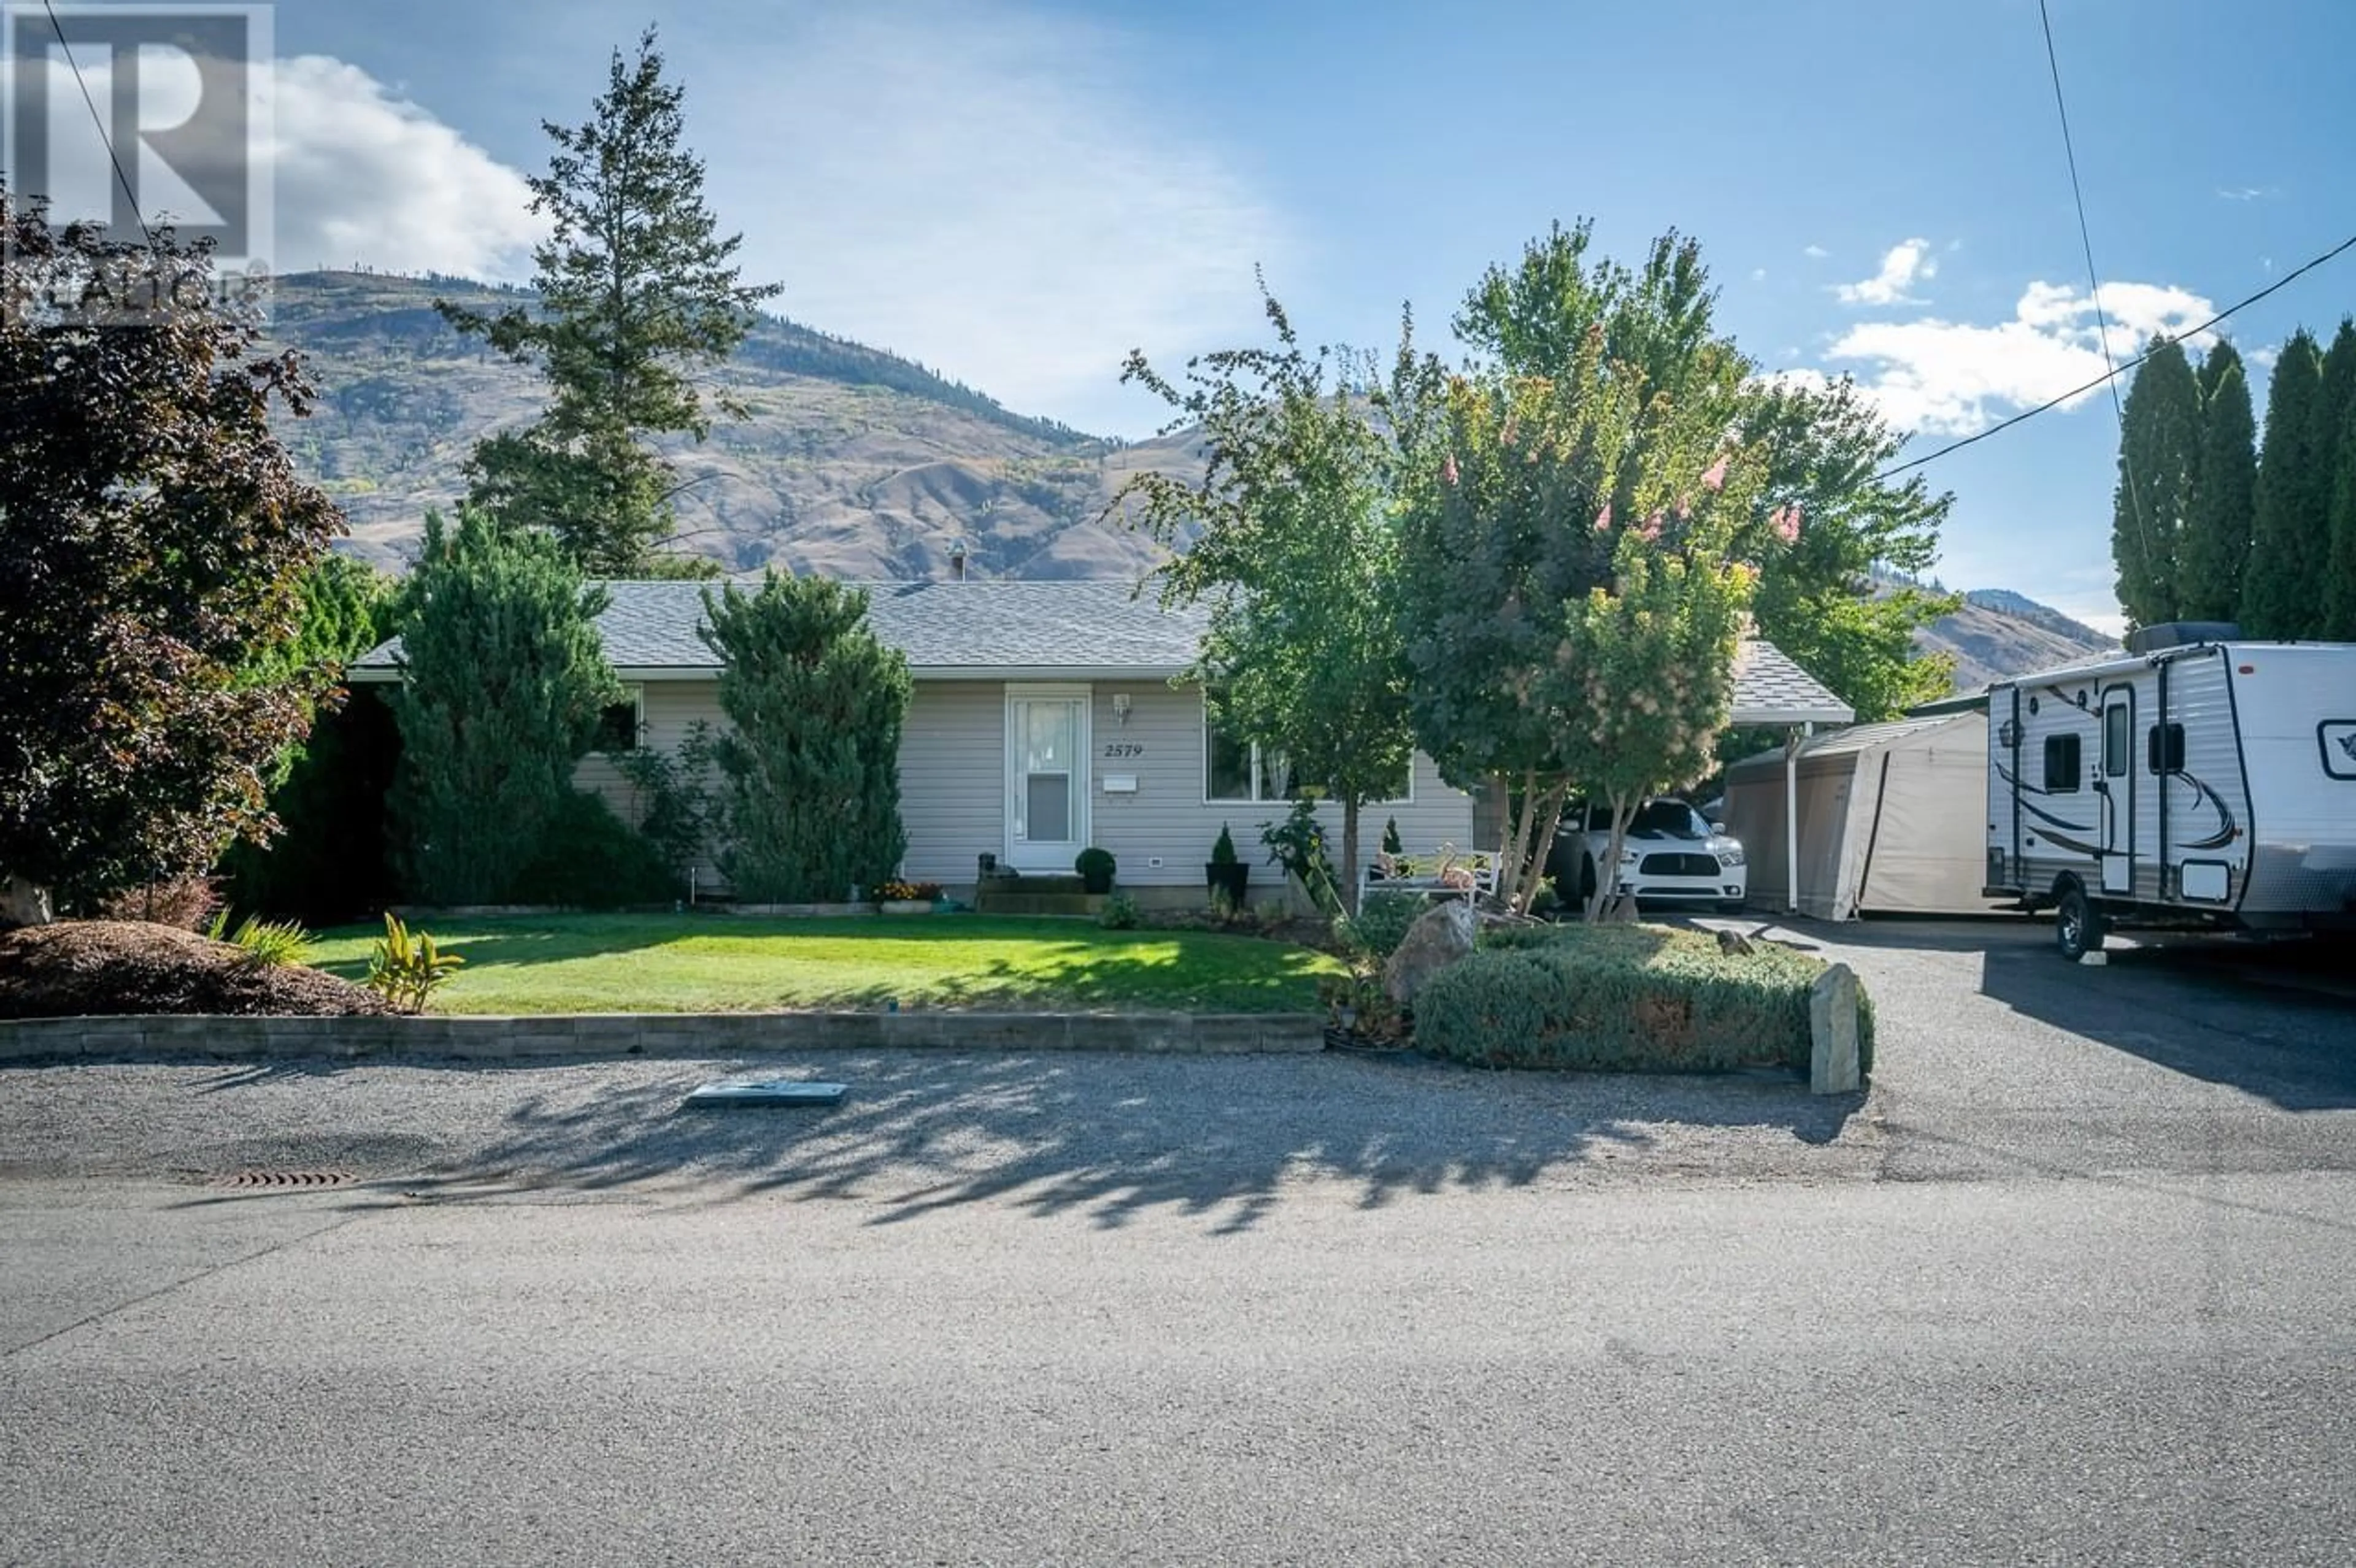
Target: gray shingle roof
(1042,627)
(942,627)
(1769,689)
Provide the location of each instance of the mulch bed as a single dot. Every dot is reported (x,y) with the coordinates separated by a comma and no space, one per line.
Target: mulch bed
(92,967)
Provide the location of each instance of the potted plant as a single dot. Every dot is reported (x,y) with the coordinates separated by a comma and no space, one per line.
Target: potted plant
(1096,868)
(1227,872)
(907,897)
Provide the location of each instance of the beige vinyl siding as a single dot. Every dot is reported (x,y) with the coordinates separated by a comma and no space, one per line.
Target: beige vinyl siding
(953,778)
(953,783)
(669,708)
(1168,817)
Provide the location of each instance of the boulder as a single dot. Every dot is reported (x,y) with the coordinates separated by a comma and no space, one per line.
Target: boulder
(1440,936)
(1833,1065)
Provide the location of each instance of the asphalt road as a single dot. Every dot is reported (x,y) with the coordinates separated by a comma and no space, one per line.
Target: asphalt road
(2072,1285)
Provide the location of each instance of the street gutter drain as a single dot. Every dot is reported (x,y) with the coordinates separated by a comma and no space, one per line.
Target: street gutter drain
(286,1179)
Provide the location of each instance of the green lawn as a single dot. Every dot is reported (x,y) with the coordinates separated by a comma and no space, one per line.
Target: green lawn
(627,964)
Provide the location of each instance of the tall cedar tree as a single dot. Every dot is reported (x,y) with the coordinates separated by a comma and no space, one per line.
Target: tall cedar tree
(638,294)
(811,764)
(1292,546)
(2290,539)
(504,679)
(2334,452)
(1819,599)
(2215,549)
(2159,456)
(153,536)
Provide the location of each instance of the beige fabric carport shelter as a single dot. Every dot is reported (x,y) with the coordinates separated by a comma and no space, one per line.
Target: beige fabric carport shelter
(1881,819)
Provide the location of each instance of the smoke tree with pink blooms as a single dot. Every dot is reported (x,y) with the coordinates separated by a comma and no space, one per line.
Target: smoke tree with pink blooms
(1568,558)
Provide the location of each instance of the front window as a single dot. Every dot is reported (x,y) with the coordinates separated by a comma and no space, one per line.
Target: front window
(1238,769)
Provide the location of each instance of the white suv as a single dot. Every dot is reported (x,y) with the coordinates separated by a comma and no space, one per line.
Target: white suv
(1672,853)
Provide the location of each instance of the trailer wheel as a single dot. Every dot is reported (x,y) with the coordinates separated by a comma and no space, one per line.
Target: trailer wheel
(2078,927)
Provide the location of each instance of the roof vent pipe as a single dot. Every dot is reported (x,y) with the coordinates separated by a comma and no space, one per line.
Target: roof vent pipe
(957,561)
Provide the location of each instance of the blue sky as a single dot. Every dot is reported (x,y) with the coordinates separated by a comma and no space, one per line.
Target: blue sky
(1017,193)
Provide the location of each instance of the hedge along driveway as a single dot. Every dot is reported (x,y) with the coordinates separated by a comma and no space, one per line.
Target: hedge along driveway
(1626,999)
(604,964)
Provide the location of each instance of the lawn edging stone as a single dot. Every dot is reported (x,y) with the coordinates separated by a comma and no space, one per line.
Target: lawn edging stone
(561,1036)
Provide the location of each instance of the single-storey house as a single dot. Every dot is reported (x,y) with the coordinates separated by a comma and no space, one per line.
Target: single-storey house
(1044,720)
(1046,717)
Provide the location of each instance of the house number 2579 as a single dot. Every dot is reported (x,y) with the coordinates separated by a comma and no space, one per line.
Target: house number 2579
(1125,749)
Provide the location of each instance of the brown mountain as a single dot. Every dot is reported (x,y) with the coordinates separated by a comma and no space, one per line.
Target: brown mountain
(1999,634)
(853,462)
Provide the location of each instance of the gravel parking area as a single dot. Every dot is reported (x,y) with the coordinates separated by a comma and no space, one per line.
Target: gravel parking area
(1103,1134)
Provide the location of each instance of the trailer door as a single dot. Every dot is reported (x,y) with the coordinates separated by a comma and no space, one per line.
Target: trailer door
(2116,786)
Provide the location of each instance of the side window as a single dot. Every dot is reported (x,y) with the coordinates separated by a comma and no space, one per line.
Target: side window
(2062,764)
(618,727)
(2118,732)
(2163,746)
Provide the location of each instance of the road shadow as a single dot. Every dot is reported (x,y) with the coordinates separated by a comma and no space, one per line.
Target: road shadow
(1111,1137)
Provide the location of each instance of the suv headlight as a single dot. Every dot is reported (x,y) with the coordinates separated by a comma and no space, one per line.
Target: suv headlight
(1730,855)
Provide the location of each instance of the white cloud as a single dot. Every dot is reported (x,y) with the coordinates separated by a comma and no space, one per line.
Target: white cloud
(1944,377)
(989,191)
(1904,264)
(1814,253)
(2265,356)
(1758,274)
(363,175)
(2246,192)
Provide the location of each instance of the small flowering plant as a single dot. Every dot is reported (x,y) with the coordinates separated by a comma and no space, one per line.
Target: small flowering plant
(907,892)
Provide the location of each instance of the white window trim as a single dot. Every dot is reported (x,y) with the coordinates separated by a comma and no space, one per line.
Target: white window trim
(1284,800)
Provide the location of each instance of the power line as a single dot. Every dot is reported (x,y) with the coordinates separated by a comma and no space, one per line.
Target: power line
(2095,287)
(106,140)
(2079,391)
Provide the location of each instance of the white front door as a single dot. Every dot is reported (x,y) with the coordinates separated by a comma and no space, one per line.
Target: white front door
(1046,777)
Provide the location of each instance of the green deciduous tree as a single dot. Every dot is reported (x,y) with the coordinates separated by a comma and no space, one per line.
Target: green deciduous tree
(153,538)
(1292,547)
(504,679)
(2215,549)
(638,294)
(811,790)
(1818,597)
(2290,537)
(2159,460)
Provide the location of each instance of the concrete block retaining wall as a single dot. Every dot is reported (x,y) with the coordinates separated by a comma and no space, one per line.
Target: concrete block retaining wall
(652,1034)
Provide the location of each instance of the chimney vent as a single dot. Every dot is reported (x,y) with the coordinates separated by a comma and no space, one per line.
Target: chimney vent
(957,561)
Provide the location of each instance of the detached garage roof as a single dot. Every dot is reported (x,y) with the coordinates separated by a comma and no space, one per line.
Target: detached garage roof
(1769,689)
(995,629)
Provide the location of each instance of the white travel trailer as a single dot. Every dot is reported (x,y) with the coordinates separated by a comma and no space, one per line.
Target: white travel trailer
(2193,780)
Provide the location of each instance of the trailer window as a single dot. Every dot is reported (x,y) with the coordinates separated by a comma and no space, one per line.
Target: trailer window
(2061,764)
(2163,746)
(2118,732)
